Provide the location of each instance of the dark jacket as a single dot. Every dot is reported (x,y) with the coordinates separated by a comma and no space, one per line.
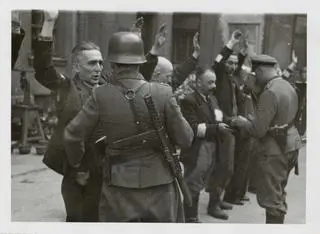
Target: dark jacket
(71,95)
(138,166)
(197,111)
(276,105)
(225,91)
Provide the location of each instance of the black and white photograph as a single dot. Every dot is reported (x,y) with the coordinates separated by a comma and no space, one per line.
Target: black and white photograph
(158,117)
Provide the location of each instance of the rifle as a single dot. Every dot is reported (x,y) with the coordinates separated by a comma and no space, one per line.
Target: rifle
(170,159)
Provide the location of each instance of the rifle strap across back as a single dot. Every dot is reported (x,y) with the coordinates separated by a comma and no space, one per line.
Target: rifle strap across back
(130,95)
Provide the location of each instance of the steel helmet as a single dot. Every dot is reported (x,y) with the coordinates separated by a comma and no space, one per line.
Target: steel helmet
(126,48)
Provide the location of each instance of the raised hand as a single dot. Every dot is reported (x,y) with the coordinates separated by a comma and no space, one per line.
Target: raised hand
(234,40)
(48,23)
(245,46)
(15,22)
(50,16)
(196,45)
(236,36)
(161,36)
(294,61)
(160,39)
(294,57)
(137,26)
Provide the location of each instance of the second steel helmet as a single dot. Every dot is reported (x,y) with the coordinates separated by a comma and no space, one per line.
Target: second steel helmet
(126,48)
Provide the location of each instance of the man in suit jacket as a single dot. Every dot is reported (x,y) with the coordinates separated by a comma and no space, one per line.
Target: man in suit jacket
(201,110)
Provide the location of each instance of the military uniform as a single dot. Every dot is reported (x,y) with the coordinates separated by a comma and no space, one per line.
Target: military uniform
(137,184)
(277,105)
(81,202)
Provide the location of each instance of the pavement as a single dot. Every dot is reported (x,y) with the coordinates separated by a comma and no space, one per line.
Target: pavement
(27,163)
(42,186)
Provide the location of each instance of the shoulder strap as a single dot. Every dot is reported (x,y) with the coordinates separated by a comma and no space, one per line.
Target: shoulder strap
(130,95)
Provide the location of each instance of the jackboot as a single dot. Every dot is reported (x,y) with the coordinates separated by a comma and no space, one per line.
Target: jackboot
(214,209)
(274,219)
(191,213)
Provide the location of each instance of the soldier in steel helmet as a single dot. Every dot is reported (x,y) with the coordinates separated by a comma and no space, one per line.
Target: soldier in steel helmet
(273,127)
(80,188)
(137,185)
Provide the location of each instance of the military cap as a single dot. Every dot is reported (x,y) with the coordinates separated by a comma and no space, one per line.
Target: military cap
(263,59)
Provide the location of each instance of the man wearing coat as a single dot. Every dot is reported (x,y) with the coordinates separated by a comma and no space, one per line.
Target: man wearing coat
(228,96)
(201,110)
(273,127)
(80,188)
(137,184)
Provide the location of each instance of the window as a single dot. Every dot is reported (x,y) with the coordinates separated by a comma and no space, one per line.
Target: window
(183,30)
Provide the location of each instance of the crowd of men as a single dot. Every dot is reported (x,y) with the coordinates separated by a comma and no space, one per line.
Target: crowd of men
(120,136)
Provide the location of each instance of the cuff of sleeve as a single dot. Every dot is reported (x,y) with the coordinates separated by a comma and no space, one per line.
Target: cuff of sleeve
(230,45)
(286,73)
(246,68)
(154,51)
(201,130)
(291,67)
(195,56)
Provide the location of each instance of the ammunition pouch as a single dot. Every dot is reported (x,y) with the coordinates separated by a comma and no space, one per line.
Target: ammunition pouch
(148,139)
(279,133)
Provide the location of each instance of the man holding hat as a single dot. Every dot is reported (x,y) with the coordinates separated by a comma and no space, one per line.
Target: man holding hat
(273,127)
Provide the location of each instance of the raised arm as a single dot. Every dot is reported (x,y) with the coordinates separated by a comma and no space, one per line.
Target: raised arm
(287,73)
(218,65)
(45,73)
(147,68)
(183,70)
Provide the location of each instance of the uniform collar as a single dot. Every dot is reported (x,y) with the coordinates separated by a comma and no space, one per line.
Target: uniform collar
(128,75)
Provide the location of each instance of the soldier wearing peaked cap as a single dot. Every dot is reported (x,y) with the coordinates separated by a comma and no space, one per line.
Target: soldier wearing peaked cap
(273,127)
(137,184)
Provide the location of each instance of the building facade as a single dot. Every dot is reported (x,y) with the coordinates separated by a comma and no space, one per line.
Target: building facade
(276,35)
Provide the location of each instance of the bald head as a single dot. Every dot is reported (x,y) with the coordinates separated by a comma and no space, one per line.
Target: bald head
(163,71)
